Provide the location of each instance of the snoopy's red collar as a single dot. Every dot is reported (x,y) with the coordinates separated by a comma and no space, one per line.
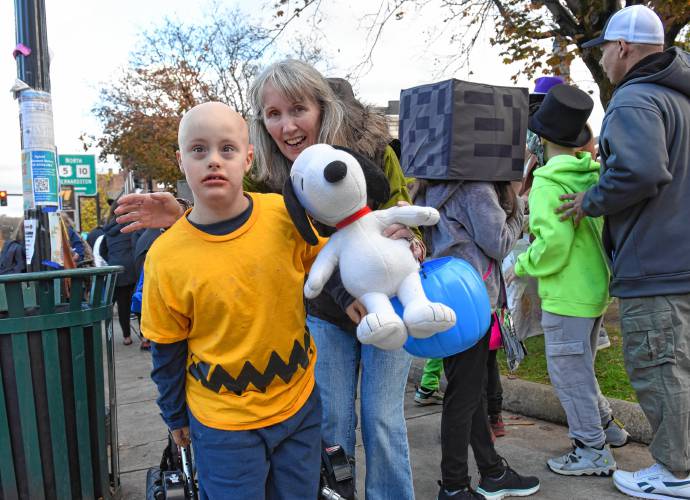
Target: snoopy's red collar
(349,220)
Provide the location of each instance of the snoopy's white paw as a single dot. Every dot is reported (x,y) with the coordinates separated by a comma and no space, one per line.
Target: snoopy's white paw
(423,319)
(311,291)
(385,331)
(432,217)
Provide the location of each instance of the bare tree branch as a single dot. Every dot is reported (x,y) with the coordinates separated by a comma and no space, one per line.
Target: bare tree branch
(316,4)
(377,28)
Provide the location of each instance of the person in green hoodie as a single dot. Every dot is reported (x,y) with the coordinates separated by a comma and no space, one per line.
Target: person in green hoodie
(573,275)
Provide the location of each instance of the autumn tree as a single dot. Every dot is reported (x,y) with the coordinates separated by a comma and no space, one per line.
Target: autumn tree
(89,216)
(541,35)
(177,66)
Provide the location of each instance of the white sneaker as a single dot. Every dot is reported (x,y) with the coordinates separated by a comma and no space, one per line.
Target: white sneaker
(654,482)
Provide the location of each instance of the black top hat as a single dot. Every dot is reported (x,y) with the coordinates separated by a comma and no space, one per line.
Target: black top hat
(562,117)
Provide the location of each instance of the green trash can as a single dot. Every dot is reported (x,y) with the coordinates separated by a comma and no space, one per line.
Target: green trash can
(58,435)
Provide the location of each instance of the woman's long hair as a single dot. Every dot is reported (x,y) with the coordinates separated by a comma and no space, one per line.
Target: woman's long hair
(295,80)
(507,197)
(365,129)
(344,120)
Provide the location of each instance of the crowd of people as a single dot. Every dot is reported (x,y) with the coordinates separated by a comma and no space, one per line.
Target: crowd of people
(75,251)
(234,344)
(102,246)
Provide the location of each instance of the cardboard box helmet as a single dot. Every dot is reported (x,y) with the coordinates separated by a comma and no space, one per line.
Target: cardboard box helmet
(457,130)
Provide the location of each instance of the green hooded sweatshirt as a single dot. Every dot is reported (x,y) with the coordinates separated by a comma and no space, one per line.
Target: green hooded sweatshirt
(568,261)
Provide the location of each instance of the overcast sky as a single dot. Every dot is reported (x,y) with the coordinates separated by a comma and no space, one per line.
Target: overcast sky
(90,41)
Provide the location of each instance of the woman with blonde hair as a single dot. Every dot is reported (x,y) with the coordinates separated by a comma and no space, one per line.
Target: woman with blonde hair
(295,107)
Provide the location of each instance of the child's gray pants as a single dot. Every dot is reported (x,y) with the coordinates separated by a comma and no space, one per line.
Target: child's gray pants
(571,346)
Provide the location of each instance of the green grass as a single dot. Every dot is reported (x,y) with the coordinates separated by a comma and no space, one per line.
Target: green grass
(613,380)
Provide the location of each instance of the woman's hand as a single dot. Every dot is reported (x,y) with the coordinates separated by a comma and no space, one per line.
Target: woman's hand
(152,210)
(398,232)
(401,231)
(356,311)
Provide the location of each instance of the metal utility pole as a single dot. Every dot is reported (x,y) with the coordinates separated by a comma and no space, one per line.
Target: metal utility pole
(39,166)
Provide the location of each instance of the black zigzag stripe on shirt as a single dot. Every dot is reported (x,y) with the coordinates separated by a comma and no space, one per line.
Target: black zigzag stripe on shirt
(299,357)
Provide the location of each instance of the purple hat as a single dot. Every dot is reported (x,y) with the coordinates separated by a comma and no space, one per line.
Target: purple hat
(544,83)
(541,86)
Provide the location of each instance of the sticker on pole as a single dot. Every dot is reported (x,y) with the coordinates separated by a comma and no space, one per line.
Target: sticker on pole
(40,180)
(30,226)
(36,119)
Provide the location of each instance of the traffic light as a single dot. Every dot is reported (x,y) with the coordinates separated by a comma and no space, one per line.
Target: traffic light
(3,198)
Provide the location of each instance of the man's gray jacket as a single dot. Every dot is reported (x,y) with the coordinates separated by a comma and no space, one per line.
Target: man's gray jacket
(644,188)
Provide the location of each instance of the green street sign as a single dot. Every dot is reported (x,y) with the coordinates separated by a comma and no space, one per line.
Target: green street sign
(78,171)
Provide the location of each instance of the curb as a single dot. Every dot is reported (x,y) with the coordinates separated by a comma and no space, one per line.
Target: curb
(539,401)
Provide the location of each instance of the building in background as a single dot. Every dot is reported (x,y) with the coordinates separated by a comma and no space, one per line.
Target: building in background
(392,112)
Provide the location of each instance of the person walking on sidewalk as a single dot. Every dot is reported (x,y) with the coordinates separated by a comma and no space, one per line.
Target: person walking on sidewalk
(643,195)
(569,262)
(480,222)
(117,249)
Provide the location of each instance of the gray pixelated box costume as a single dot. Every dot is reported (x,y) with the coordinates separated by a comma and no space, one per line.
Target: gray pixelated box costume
(456,130)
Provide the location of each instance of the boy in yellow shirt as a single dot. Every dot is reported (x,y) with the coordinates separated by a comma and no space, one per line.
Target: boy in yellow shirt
(232,358)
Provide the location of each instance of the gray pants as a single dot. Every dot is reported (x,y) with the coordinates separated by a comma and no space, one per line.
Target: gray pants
(571,346)
(656,345)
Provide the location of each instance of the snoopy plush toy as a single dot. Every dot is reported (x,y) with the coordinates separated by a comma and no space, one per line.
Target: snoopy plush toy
(329,184)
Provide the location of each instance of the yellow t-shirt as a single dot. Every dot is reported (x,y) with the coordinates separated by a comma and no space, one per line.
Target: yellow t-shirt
(237,300)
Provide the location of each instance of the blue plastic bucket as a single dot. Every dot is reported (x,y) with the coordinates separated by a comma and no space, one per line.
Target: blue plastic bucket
(455,283)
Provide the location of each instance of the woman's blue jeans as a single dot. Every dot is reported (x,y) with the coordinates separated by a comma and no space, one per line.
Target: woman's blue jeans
(382,392)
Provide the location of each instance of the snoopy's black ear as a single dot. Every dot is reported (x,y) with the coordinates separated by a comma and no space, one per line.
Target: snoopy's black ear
(378,187)
(323,230)
(298,214)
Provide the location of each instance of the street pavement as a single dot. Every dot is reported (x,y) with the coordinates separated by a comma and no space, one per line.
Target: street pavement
(142,437)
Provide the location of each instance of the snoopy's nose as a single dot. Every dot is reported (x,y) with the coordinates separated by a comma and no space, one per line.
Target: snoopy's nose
(335,171)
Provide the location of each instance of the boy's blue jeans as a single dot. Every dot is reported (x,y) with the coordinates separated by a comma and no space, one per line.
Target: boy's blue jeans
(277,462)
(382,394)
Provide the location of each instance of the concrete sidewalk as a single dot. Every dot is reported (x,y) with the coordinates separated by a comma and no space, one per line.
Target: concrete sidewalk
(529,442)
(540,401)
